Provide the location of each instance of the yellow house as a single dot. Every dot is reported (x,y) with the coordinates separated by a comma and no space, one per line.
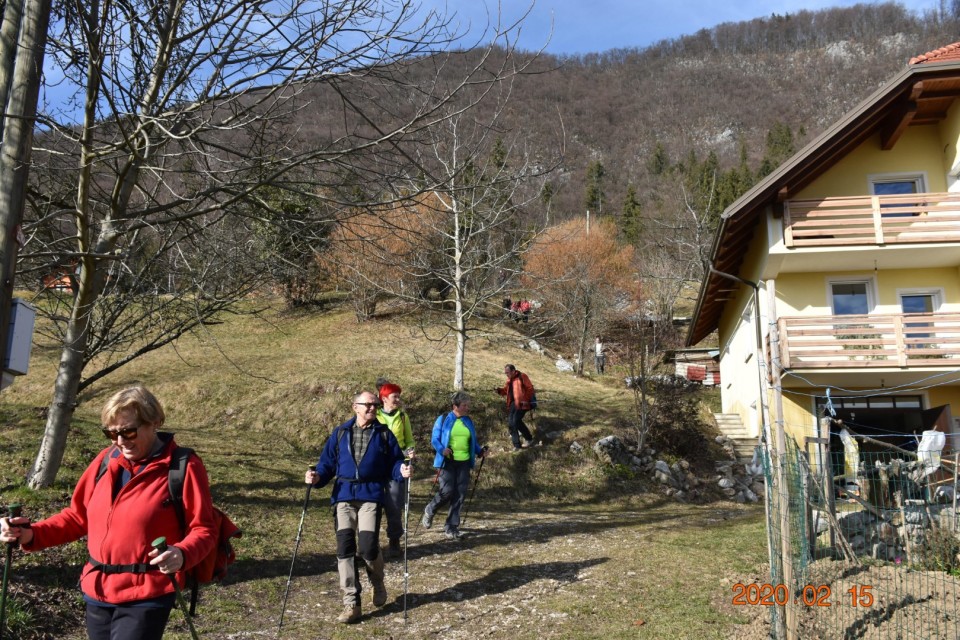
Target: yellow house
(834,284)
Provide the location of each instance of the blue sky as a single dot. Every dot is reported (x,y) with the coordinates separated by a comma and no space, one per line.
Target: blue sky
(585,26)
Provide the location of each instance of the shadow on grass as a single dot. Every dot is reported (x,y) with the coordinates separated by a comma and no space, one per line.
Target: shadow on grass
(422,547)
(498,581)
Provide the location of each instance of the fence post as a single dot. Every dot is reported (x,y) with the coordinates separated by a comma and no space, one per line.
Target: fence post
(956,463)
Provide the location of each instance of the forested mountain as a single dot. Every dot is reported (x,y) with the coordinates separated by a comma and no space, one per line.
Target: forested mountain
(751,93)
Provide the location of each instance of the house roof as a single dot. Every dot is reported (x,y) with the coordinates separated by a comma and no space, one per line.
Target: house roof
(921,94)
(949,52)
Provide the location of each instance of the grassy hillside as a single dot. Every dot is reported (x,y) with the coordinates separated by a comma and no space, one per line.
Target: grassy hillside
(551,532)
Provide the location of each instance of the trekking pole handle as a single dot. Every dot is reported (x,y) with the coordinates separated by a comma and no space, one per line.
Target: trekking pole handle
(160,544)
(15,510)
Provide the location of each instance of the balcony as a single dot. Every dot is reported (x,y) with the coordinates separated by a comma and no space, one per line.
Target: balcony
(870,341)
(872,220)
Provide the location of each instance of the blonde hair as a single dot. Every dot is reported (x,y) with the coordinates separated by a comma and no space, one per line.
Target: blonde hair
(137,399)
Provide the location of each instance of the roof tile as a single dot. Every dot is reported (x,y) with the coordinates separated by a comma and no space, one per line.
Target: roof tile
(943,54)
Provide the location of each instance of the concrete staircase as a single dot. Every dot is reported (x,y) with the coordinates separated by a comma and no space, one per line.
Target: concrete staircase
(731,426)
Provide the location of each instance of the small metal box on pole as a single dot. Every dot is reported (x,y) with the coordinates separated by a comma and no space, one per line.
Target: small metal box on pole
(19,341)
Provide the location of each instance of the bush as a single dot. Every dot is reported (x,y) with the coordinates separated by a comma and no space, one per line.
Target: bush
(941,551)
(676,427)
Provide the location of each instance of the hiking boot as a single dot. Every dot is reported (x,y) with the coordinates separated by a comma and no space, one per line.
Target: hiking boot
(379,594)
(351,613)
(453,534)
(394,548)
(427,520)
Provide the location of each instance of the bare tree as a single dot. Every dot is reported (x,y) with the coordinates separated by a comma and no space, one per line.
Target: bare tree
(454,253)
(190,110)
(583,278)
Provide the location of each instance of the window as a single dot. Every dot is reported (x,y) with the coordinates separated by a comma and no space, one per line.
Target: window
(850,298)
(918,302)
(897,185)
(870,402)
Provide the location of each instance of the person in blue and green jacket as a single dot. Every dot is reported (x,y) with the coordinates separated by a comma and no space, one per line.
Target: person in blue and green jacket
(398,422)
(455,441)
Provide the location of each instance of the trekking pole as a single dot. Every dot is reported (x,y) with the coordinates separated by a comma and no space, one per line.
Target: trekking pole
(433,492)
(13,511)
(296,548)
(476,481)
(406,531)
(160,544)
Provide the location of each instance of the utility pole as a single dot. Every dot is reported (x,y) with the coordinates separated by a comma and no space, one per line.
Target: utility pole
(23,36)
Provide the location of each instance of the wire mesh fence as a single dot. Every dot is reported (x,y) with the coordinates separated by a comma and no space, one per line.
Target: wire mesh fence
(861,546)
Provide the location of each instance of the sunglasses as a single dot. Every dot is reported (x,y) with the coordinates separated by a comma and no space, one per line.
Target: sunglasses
(128,433)
(368,405)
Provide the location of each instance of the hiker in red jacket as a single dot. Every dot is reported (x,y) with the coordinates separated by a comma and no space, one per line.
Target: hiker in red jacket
(519,393)
(125,583)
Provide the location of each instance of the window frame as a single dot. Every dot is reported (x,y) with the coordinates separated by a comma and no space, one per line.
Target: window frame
(869,286)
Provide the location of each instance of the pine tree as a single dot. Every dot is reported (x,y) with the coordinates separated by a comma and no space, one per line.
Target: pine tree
(631,223)
(659,163)
(595,197)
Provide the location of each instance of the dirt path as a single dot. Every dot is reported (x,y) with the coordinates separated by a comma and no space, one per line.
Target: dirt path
(547,572)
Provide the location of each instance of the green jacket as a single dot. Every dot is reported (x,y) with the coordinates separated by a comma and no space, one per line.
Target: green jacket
(399,425)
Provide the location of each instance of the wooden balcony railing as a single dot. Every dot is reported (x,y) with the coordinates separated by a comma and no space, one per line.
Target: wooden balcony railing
(872,220)
(898,340)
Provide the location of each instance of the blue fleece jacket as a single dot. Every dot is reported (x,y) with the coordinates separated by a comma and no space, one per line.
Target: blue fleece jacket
(441,437)
(380,464)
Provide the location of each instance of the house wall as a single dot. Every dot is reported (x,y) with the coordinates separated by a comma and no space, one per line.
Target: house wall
(950,134)
(920,149)
(798,418)
(739,359)
(808,293)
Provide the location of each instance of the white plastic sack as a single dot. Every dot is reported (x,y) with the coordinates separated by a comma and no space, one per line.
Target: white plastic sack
(929,449)
(851,456)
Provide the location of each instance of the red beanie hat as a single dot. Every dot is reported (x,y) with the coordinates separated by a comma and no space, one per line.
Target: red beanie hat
(389,388)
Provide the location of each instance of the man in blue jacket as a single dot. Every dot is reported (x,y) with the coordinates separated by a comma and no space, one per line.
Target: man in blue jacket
(455,441)
(360,456)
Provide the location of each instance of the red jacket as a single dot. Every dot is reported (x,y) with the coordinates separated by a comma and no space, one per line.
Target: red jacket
(119,531)
(518,390)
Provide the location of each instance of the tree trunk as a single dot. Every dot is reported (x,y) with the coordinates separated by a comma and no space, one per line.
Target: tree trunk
(67,384)
(20,81)
(90,284)
(461,347)
(644,426)
(582,345)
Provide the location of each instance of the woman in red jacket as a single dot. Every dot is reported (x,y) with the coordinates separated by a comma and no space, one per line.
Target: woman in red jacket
(126,585)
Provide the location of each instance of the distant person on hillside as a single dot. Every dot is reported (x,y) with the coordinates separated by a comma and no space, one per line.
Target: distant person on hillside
(121,504)
(361,456)
(515,310)
(518,391)
(455,440)
(525,310)
(599,356)
(398,422)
